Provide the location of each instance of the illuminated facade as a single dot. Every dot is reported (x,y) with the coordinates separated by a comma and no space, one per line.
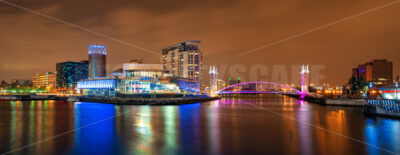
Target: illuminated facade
(391,91)
(69,73)
(143,70)
(138,79)
(97,61)
(213,80)
(183,60)
(44,80)
(188,86)
(132,86)
(136,85)
(152,78)
(99,87)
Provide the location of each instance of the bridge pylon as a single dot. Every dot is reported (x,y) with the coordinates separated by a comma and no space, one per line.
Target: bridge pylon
(304,79)
(213,81)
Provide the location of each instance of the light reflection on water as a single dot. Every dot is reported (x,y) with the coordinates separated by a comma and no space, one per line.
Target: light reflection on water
(226,126)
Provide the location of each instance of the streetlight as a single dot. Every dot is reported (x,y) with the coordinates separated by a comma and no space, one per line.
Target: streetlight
(371,86)
(397,86)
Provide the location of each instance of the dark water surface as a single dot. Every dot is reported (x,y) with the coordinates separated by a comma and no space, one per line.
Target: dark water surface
(273,125)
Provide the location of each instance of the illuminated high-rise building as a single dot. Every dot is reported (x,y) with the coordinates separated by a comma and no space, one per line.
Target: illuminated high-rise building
(184,60)
(97,61)
(44,80)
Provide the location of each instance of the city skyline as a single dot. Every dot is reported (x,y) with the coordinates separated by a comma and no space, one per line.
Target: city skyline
(225,31)
(199,77)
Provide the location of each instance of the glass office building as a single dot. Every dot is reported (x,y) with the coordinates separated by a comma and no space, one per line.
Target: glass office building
(137,86)
(146,79)
(69,73)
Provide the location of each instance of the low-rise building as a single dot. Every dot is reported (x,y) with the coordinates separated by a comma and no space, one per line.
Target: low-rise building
(44,80)
(21,83)
(99,87)
(391,91)
(136,79)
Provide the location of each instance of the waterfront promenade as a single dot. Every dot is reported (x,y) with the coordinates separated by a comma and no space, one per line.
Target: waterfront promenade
(375,107)
(132,100)
(149,101)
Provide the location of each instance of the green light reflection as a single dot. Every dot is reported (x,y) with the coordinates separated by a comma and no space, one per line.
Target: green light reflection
(169,113)
(144,129)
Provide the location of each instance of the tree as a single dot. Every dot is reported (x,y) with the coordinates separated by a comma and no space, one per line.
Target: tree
(3,84)
(357,84)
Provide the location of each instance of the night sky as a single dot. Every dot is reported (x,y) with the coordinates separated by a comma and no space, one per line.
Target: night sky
(31,43)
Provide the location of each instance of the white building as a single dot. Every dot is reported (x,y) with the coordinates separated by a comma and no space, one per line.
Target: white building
(183,60)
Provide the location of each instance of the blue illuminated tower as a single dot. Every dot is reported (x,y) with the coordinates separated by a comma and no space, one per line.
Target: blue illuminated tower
(97,61)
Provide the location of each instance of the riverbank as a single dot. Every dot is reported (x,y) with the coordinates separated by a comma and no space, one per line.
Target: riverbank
(115,100)
(384,108)
(372,110)
(30,97)
(148,101)
(333,102)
